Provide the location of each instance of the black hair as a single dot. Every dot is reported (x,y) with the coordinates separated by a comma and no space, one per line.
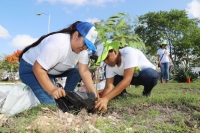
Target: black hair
(94,57)
(161,46)
(70,30)
(111,50)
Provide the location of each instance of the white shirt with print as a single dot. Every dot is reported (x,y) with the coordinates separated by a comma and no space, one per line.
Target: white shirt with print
(131,57)
(165,57)
(55,54)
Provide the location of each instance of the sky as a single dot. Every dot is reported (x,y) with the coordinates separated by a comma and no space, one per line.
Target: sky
(20,26)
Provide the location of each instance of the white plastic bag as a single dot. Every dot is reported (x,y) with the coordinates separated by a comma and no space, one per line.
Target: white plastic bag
(101,85)
(20,98)
(4,90)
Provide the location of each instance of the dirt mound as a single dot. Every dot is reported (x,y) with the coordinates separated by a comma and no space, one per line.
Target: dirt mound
(60,122)
(125,119)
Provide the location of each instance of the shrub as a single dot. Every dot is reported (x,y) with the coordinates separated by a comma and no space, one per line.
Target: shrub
(182,73)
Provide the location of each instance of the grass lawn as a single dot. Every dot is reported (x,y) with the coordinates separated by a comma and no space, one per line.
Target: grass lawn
(172,108)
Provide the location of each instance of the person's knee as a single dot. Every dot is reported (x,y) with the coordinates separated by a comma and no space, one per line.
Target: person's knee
(151,74)
(117,79)
(154,82)
(149,77)
(43,96)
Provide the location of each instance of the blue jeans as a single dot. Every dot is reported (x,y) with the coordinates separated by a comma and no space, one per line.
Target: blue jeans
(147,77)
(164,70)
(27,76)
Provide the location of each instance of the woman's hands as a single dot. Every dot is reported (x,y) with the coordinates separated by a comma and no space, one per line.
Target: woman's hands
(45,82)
(101,105)
(159,63)
(58,93)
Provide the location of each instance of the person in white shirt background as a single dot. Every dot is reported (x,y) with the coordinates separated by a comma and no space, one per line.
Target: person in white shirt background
(164,61)
(57,55)
(124,67)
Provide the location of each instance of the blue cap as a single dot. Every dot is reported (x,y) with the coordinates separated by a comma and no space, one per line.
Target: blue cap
(88,31)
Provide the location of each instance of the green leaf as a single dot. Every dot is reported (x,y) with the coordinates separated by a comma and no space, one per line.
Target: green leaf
(117,15)
(120,23)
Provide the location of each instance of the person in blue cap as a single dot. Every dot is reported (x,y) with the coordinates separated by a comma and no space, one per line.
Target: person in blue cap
(57,55)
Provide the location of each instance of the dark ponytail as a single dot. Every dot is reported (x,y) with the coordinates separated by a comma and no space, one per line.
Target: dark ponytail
(70,30)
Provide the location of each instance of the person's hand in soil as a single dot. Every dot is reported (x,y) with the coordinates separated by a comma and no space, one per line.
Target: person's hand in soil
(101,105)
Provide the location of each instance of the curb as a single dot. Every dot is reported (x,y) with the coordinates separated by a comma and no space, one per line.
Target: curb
(7,83)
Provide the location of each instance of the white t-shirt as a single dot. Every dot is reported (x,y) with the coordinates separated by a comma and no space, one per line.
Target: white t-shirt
(130,57)
(55,54)
(165,57)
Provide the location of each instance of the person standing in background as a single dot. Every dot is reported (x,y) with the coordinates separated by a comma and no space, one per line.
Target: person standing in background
(164,61)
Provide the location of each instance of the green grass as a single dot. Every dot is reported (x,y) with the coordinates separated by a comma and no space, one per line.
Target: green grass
(173,107)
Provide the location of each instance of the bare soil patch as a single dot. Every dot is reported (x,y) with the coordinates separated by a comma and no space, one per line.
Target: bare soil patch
(59,122)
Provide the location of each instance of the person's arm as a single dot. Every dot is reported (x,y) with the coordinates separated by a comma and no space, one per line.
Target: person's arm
(158,58)
(128,75)
(108,86)
(169,58)
(170,61)
(101,104)
(45,82)
(86,77)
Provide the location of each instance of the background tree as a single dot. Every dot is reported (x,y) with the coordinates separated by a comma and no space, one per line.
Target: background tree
(174,26)
(10,63)
(119,30)
(1,65)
